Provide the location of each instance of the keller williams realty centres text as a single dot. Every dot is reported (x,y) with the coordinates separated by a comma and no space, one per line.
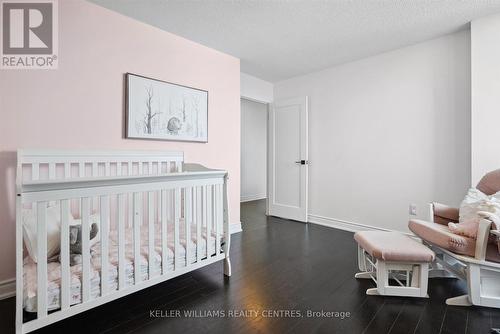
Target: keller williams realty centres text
(248,314)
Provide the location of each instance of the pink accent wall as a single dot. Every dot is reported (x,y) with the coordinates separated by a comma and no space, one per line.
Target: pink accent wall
(81,104)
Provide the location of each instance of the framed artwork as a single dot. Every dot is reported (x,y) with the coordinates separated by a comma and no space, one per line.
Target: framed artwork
(162,110)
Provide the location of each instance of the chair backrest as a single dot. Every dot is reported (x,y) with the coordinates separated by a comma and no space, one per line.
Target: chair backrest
(490,183)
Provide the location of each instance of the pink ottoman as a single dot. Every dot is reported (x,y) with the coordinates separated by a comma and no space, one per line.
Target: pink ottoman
(397,263)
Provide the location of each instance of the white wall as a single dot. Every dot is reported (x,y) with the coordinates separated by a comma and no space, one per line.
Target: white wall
(253,150)
(387,131)
(255,89)
(485,64)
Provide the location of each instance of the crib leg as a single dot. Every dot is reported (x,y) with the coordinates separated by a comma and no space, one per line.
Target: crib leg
(227,266)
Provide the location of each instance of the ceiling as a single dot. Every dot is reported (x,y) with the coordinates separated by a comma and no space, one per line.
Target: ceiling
(278,39)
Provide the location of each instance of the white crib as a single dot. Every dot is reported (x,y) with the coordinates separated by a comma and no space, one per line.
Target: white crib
(158,218)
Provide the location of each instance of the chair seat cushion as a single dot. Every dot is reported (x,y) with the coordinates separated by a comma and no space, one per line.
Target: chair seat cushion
(393,246)
(441,236)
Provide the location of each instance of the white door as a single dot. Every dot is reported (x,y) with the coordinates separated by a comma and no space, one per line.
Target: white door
(288,159)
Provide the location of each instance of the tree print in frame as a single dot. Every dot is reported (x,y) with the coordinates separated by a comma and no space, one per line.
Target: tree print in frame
(165,111)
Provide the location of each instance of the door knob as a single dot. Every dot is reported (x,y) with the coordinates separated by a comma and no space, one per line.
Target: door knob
(302,162)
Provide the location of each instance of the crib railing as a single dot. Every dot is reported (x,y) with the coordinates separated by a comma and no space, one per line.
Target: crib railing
(162,204)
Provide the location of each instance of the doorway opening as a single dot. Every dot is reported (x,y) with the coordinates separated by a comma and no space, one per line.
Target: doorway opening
(254,123)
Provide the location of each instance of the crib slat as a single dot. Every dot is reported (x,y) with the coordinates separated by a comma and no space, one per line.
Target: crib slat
(150,167)
(67,170)
(121,241)
(205,214)
(141,166)
(218,221)
(81,169)
(137,236)
(107,169)
(187,221)
(214,214)
(178,165)
(211,220)
(177,207)
(169,167)
(198,207)
(119,169)
(123,168)
(128,168)
(65,270)
(94,173)
(104,244)
(130,210)
(85,249)
(35,171)
(42,259)
(52,171)
(164,240)
(151,233)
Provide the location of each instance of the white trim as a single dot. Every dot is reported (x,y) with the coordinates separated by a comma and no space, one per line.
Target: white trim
(342,224)
(256,89)
(249,198)
(7,288)
(235,228)
(345,225)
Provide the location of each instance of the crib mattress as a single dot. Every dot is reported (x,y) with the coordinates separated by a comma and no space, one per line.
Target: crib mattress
(54,268)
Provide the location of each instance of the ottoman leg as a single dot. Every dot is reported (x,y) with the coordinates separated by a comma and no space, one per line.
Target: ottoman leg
(364,272)
(382,277)
(420,278)
(361,259)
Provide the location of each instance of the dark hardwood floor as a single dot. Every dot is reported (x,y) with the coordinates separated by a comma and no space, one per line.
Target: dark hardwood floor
(277,265)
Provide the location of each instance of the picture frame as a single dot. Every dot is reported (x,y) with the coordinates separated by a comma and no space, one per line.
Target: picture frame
(161,110)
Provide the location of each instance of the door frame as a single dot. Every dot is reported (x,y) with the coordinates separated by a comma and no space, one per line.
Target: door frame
(270,151)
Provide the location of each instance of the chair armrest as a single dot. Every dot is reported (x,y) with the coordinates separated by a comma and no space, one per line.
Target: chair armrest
(483,233)
(443,214)
(492,217)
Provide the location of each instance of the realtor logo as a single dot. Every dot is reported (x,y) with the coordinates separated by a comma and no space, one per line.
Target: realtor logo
(29,34)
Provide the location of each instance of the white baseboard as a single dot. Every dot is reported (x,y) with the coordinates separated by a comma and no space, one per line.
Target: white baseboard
(7,288)
(235,228)
(342,224)
(351,226)
(248,198)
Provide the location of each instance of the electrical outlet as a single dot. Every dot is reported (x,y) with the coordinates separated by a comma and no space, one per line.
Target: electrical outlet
(413,209)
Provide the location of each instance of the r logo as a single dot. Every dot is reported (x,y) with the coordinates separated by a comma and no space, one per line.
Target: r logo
(27,28)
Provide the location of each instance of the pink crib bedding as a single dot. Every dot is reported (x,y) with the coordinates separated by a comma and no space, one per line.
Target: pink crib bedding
(54,269)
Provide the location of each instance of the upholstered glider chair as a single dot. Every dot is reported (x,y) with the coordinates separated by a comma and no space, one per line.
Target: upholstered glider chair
(477,261)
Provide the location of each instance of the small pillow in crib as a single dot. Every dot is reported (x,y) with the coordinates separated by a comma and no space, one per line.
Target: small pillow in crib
(469,218)
(53,223)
